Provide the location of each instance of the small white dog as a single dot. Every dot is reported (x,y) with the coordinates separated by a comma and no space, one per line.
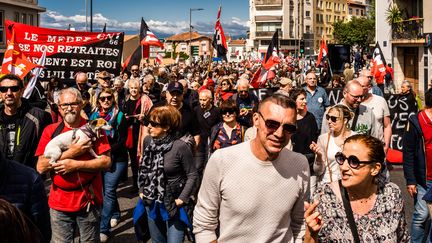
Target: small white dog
(91,130)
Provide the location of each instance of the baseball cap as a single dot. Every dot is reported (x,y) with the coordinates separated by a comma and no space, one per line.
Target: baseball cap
(175,86)
(285,81)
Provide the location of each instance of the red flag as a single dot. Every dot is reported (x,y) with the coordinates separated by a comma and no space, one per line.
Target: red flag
(159,58)
(219,40)
(259,78)
(133,59)
(151,40)
(14,61)
(322,52)
(379,65)
(271,57)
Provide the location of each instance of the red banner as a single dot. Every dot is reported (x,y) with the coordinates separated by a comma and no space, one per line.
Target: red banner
(69,51)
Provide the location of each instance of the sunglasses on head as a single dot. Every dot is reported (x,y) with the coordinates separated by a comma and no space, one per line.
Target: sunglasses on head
(331,118)
(273,126)
(353,161)
(5,89)
(104,98)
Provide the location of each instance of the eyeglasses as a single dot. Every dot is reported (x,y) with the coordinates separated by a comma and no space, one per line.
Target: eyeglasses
(358,97)
(331,118)
(229,112)
(4,89)
(106,79)
(134,70)
(353,161)
(104,98)
(64,106)
(243,91)
(273,126)
(154,124)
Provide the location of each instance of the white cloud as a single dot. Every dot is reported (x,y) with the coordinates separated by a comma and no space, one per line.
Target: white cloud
(52,19)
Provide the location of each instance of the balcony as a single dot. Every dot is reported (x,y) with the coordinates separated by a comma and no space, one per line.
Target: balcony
(410,29)
(268,34)
(268,4)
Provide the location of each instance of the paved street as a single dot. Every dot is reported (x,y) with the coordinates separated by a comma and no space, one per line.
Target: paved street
(125,233)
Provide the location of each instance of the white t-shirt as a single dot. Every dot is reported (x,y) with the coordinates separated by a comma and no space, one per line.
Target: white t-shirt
(380,108)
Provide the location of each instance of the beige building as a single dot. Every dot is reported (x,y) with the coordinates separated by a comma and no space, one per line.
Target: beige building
(326,13)
(22,11)
(267,16)
(236,50)
(356,9)
(411,59)
(181,43)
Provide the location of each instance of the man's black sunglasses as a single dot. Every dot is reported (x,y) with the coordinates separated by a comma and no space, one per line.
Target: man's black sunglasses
(273,126)
(353,161)
(5,89)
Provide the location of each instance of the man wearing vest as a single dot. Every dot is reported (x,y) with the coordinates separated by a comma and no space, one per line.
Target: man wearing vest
(76,191)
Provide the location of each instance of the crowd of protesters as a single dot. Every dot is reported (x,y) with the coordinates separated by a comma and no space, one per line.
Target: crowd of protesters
(211,160)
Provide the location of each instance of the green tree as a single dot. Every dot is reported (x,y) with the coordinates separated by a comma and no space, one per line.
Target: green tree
(358,31)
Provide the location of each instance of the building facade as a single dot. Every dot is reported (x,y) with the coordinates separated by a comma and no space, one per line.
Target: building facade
(411,57)
(267,16)
(183,42)
(22,11)
(326,13)
(236,50)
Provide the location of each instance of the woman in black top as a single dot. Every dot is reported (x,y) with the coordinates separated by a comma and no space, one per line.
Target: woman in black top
(307,129)
(167,176)
(132,110)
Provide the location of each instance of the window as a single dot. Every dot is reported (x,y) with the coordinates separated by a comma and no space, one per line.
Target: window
(307,13)
(357,12)
(24,18)
(2,32)
(307,28)
(268,26)
(350,11)
(16,17)
(361,12)
(31,20)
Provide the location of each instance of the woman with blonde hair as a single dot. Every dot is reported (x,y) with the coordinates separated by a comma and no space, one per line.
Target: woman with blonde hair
(328,144)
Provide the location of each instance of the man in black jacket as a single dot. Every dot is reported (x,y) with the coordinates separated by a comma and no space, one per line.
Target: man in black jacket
(21,125)
(24,188)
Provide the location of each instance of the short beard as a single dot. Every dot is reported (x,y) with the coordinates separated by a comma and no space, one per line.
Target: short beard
(70,117)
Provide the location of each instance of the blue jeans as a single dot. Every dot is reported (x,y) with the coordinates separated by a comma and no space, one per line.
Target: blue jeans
(171,231)
(420,214)
(110,207)
(63,225)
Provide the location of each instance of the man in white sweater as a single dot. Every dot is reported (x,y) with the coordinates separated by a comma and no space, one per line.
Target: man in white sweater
(254,191)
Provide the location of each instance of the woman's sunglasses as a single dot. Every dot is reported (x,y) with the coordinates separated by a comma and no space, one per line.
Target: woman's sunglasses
(104,98)
(353,161)
(273,126)
(154,124)
(228,111)
(331,118)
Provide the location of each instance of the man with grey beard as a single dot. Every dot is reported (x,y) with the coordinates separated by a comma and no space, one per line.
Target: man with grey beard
(75,198)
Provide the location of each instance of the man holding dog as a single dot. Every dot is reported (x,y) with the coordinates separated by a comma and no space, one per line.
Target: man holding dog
(76,191)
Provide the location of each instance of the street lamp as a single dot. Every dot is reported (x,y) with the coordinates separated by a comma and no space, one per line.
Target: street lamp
(190,31)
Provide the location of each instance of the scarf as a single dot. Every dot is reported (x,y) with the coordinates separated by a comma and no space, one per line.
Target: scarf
(109,116)
(151,172)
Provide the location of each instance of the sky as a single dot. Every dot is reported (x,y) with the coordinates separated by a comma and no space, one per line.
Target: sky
(164,17)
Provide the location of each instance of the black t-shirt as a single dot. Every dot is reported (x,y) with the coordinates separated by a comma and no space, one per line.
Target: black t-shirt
(10,126)
(207,120)
(307,131)
(189,121)
(130,108)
